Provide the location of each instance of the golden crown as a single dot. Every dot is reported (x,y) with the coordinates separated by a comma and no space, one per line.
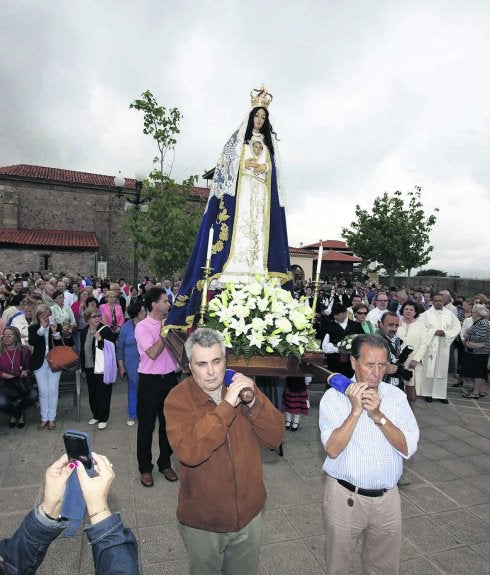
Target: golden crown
(260,97)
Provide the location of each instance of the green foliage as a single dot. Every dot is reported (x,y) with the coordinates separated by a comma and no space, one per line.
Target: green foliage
(432,273)
(392,235)
(165,231)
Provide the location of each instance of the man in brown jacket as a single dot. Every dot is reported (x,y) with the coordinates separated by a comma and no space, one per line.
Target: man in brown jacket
(217,439)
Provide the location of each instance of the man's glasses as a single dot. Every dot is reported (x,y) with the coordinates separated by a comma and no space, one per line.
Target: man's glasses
(361,312)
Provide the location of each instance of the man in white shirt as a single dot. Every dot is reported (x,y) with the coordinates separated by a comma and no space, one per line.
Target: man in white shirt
(366,436)
(381,303)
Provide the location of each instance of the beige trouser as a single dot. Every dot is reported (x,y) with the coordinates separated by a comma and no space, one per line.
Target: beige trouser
(377,519)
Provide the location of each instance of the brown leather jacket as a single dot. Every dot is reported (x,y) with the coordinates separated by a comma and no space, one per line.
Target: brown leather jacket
(218,446)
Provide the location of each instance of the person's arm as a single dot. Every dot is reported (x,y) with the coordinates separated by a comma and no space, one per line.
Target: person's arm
(371,402)
(114,547)
(340,437)
(328,347)
(26,549)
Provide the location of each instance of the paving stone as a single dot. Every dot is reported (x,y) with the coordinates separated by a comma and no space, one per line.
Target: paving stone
(464,492)
(431,471)
(408,508)
(419,566)
(296,492)
(460,467)
(429,499)
(483,511)
(481,460)
(457,431)
(21,498)
(308,468)
(161,543)
(276,527)
(433,451)
(158,510)
(483,549)
(464,525)
(63,557)
(458,447)
(428,535)
(306,519)
(461,561)
(288,557)
(178,567)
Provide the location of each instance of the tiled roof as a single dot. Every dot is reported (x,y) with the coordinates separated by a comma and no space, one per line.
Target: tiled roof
(329,244)
(25,171)
(300,251)
(67,176)
(339,257)
(49,238)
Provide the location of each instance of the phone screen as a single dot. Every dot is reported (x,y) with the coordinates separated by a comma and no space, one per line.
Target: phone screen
(77,448)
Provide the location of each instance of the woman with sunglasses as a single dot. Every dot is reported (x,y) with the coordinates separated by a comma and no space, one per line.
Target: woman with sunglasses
(360,313)
(99,393)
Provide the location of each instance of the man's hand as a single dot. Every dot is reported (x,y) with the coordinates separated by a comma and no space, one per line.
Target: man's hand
(356,391)
(391,368)
(238,383)
(371,400)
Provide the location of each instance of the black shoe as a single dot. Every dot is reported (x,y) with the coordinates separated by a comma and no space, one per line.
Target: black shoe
(445,401)
(428,399)
(13,423)
(294,426)
(458,384)
(287,425)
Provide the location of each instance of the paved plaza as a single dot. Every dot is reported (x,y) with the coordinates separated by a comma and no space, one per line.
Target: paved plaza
(446,509)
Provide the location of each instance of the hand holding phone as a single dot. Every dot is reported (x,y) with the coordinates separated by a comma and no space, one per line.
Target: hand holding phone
(51,320)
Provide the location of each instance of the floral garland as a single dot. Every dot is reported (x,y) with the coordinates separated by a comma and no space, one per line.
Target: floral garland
(261,318)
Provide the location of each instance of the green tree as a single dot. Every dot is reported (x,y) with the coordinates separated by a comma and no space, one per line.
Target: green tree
(165,227)
(431,273)
(393,236)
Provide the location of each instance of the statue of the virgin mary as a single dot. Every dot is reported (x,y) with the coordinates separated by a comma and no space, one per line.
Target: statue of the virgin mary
(245,209)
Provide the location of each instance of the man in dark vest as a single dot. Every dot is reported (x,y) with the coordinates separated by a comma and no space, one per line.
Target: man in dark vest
(336,330)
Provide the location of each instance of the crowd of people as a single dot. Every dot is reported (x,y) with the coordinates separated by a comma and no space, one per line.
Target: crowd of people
(403,344)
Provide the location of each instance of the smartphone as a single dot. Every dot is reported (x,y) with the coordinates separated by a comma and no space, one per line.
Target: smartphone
(76,446)
(51,320)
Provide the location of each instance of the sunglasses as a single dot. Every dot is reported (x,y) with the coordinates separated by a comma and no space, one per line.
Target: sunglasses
(361,312)
(95,316)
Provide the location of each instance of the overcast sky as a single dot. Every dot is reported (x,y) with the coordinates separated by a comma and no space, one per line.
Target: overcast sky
(369,96)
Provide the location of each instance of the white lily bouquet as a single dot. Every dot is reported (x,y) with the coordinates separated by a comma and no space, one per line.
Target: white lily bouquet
(261,318)
(345,344)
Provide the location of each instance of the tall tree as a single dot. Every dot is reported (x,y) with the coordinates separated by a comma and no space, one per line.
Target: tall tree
(165,227)
(393,236)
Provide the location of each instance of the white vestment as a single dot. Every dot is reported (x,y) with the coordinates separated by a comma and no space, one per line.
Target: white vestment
(436,359)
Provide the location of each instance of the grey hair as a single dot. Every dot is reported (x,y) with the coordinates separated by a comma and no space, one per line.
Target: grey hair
(204,337)
(480,309)
(368,340)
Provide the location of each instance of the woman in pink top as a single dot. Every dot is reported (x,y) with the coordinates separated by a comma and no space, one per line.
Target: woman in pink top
(112,313)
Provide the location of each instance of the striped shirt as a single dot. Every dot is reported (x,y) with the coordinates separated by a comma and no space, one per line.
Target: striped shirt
(368,461)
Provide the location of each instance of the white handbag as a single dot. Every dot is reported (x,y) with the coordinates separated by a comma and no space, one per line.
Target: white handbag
(99,357)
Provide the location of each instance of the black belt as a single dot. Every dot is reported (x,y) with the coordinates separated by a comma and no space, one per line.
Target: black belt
(366,492)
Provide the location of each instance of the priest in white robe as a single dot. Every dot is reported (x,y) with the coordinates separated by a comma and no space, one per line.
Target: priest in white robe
(442,327)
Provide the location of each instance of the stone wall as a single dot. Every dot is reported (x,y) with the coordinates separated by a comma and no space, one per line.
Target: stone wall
(66,207)
(467,287)
(21,260)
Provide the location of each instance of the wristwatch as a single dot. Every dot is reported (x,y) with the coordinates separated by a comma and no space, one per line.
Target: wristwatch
(382,421)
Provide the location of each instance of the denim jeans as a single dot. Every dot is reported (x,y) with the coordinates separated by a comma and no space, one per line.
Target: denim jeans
(47,385)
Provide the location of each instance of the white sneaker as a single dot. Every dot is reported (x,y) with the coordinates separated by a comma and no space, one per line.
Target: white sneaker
(93,421)
(131,422)
(102,425)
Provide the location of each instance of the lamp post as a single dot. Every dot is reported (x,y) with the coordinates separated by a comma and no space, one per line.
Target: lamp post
(133,199)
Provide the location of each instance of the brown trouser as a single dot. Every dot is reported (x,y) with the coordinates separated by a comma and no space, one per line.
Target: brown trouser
(378,519)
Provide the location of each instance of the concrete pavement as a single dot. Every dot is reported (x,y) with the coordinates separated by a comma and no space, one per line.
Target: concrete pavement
(446,509)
